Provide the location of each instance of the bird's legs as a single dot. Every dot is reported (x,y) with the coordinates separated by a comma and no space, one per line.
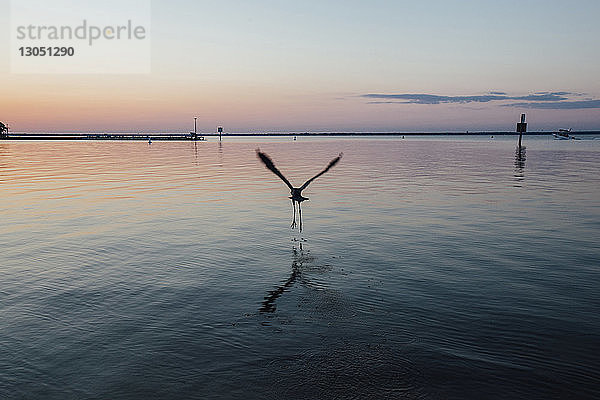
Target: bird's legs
(300,215)
(294,219)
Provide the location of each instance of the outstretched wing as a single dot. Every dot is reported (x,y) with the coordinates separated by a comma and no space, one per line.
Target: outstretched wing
(269,164)
(331,164)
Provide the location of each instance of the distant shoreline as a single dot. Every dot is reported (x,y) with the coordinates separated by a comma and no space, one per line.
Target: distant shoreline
(188,137)
(397,133)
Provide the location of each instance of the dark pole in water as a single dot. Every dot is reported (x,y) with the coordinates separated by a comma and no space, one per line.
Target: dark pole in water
(195,134)
(220,130)
(521,128)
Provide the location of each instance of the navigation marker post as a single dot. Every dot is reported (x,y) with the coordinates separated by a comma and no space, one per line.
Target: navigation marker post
(521,128)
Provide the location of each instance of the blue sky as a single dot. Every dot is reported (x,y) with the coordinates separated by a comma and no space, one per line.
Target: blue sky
(312,65)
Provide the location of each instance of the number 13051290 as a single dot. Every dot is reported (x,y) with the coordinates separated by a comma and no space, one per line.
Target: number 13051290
(46,51)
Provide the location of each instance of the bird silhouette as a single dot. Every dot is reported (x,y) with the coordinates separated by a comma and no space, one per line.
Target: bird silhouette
(296,193)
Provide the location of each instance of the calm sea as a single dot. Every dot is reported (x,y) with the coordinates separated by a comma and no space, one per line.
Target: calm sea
(428,268)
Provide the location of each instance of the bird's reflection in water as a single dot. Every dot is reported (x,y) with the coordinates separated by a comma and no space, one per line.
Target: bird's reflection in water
(268,305)
(520,158)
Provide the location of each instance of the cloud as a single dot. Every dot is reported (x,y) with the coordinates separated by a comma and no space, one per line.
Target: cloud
(432,98)
(541,100)
(558,105)
(557,96)
(560,93)
(388,102)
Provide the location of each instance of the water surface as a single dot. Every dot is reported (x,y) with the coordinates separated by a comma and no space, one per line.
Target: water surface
(433,268)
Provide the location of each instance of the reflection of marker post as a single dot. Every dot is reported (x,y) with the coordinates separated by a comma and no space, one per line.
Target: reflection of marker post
(220,130)
(521,128)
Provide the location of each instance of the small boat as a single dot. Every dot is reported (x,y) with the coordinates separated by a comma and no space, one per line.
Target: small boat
(564,134)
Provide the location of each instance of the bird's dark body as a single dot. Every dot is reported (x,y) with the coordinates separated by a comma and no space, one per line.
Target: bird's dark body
(296,193)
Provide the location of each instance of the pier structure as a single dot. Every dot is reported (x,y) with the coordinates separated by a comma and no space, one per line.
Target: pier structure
(3,130)
(194,134)
(104,136)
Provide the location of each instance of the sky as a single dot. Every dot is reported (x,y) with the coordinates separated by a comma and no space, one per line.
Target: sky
(332,66)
